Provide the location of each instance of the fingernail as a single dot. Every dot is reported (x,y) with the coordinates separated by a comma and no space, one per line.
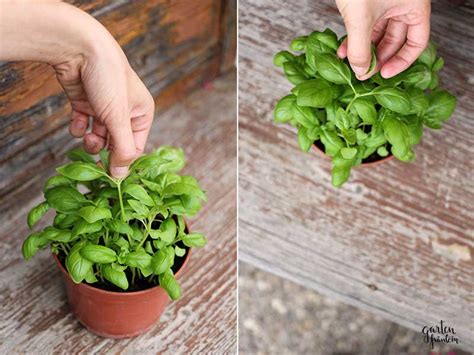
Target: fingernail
(79,125)
(359,70)
(119,171)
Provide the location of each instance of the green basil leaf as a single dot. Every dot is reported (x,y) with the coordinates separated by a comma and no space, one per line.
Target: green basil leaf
(415,129)
(81,171)
(442,105)
(181,224)
(304,116)
(84,227)
(365,109)
(139,193)
(333,69)
(68,221)
(341,169)
(179,251)
(168,230)
(153,186)
(382,151)
(77,266)
(65,199)
(104,158)
(434,81)
(139,207)
(328,38)
(284,109)
(37,213)
(398,136)
(161,262)
(298,44)
(303,140)
(373,59)
(438,64)
(115,276)
(93,213)
(331,141)
(343,122)
(79,154)
(314,93)
(419,101)
(282,57)
(315,47)
(118,226)
(57,235)
(187,186)
(57,180)
(170,285)
(98,254)
(194,240)
(428,56)
(32,244)
(174,158)
(294,73)
(190,204)
(392,98)
(139,258)
(348,152)
(418,75)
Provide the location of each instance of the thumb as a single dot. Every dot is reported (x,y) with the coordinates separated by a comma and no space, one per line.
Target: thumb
(122,147)
(359,31)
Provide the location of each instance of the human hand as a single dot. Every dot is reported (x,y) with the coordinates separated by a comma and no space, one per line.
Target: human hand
(399,28)
(92,69)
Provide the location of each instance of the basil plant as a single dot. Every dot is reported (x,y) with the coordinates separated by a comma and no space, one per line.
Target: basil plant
(121,232)
(358,121)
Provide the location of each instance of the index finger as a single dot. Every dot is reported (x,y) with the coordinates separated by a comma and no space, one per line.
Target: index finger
(417,39)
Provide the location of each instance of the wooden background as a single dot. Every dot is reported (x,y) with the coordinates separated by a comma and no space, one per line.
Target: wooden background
(176,47)
(397,239)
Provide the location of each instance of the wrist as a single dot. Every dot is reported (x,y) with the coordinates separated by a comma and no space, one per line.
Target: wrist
(51,32)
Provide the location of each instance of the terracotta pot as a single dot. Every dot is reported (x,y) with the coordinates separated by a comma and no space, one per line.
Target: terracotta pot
(116,314)
(367,163)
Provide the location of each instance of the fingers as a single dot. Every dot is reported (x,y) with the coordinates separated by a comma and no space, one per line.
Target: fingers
(379,30)
(392,41)
(78,125)
(358,45)
(417,40)
(97,139)
(141,129)
(122,146)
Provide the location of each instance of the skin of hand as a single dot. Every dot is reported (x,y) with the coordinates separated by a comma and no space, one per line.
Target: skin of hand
(92,69)
(399,28)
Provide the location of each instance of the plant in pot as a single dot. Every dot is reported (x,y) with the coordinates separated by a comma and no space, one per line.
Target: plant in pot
(120,243)
(358,122)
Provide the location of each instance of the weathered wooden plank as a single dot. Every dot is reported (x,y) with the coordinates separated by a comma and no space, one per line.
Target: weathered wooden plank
(34,317)
(174,47)
(229,34)
(398,238)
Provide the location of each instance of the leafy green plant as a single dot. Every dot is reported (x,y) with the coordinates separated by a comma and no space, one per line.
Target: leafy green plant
(124,232)
(358,121)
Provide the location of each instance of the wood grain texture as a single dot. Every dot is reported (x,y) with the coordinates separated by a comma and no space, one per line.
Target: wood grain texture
(397,239)
(34,316)
(175,46)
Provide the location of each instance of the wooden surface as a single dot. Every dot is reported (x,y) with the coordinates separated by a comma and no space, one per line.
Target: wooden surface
(34,316)
(175,46)
(398,238)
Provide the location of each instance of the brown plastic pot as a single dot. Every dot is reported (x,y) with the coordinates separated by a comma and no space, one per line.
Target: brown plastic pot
(116,314)
(367,163)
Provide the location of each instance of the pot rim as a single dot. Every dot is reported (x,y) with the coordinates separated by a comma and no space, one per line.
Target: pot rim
(381,160)
(125,293)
